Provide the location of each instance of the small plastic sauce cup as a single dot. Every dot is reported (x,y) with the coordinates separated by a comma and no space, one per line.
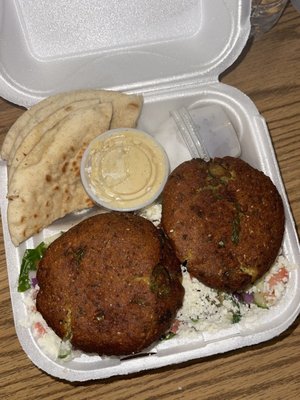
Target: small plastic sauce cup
(124,169)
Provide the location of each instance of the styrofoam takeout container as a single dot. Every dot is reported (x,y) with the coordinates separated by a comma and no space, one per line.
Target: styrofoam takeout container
(173,52)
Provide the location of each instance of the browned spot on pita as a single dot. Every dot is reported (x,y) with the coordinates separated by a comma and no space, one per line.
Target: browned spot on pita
(133,105)
(89,202)
(22,219)
(47,203)
(48,178)
(56,187)
(64,167)
(72,149)
(12,197)
(69,108)
(35,215)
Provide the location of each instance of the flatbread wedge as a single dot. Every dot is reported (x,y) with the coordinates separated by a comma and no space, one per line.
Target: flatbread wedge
(126,110)
(46,184)
(22,147)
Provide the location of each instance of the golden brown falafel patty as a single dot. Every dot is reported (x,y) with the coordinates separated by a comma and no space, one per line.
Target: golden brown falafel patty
(225,219)
(111,284)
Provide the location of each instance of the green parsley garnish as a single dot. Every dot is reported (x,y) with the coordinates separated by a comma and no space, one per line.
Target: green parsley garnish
(236,317)
(168,336)
(30,262)
(236,314)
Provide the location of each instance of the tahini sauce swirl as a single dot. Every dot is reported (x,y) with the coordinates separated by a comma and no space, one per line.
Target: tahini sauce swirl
(127,169)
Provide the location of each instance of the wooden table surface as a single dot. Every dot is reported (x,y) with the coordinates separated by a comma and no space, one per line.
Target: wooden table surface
(269,72)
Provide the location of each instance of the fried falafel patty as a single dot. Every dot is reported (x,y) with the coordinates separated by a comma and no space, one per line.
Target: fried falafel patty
(225,219)
(111,284)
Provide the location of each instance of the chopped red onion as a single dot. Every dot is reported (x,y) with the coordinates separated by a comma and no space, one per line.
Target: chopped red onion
(34,282)
(248,298)
(244,297)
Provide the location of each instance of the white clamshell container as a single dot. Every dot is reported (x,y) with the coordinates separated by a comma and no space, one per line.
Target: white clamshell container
(173,52)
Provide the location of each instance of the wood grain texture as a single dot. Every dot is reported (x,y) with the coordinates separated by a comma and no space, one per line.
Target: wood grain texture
(269,72)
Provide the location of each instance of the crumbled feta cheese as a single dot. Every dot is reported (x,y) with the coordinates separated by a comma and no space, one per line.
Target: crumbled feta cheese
(152,213)
(46,338)
(206,310)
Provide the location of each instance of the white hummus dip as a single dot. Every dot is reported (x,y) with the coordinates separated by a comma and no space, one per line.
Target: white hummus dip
(127,169)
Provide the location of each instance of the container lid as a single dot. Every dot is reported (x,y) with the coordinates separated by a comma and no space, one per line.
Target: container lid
(49,47)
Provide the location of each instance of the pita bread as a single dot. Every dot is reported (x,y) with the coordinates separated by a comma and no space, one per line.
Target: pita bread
(46,184)
(126,110)
(22,147)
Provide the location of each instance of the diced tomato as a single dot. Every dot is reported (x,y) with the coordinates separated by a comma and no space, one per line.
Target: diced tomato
(39,329)
(280,276)
(175,326)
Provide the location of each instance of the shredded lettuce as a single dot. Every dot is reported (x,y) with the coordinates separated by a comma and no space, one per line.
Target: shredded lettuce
(30,262)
